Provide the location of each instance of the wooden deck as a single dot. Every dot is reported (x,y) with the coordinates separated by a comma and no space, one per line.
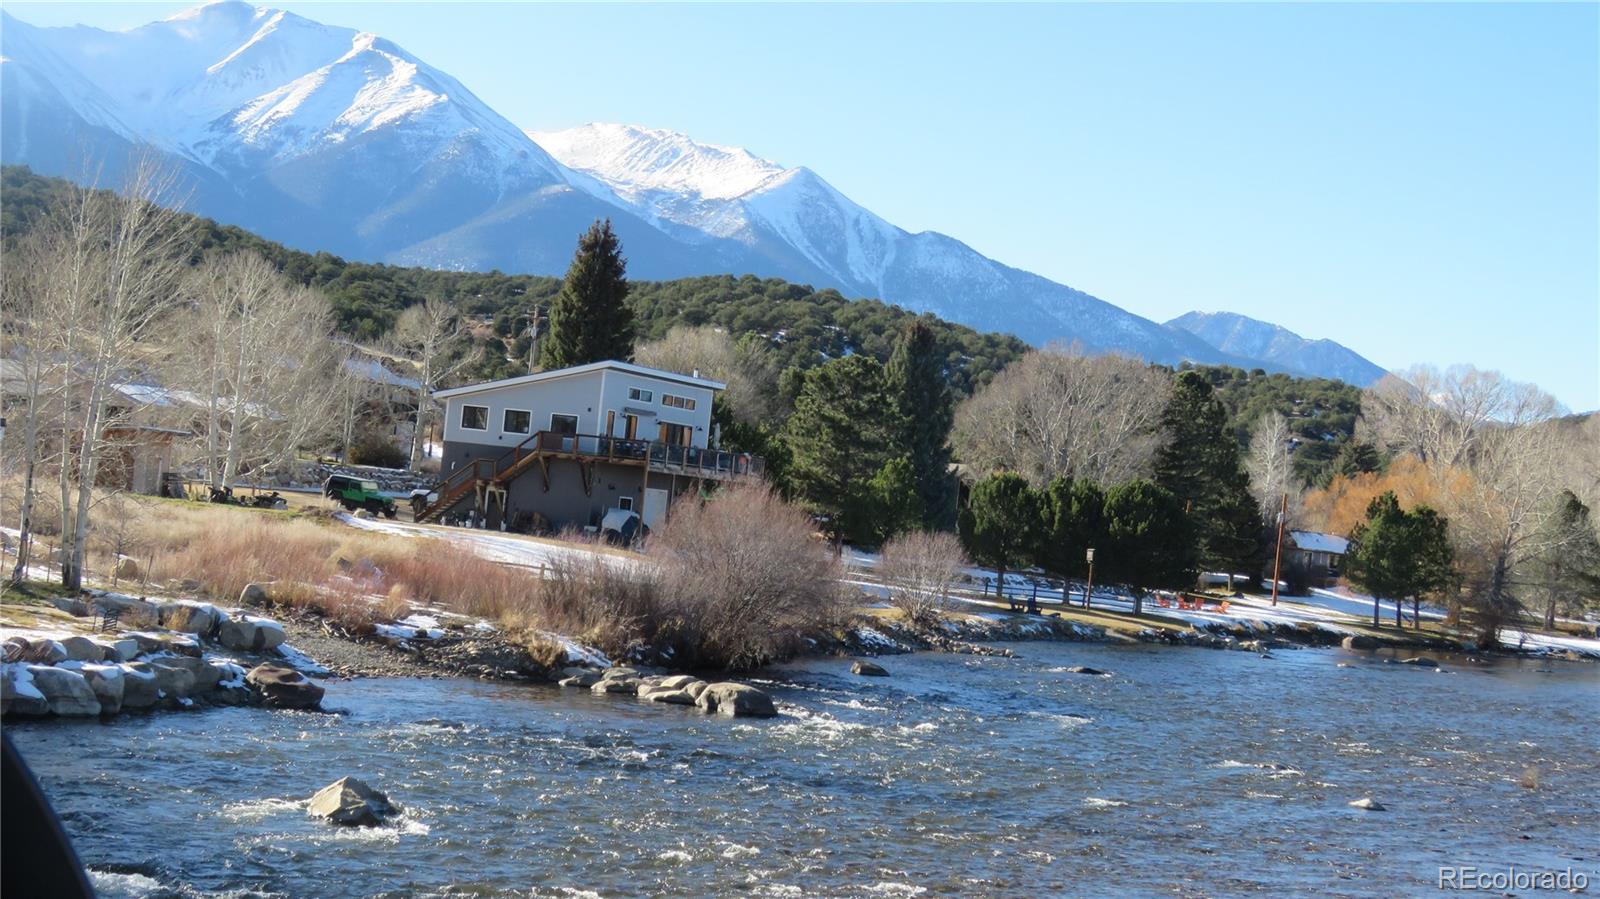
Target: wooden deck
(484,476)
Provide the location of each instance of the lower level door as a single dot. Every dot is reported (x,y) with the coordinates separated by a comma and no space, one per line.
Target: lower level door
(655,508)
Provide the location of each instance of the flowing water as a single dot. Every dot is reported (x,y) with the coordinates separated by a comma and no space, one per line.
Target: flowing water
(1187,771)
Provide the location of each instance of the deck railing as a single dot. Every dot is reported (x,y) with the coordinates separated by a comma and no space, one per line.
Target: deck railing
(689,460)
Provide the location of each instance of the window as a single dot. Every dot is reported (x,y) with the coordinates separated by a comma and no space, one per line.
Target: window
(674,435)
(517,421)
(475,418)
(564,424)
(643,396)
(677,402)
(625,503)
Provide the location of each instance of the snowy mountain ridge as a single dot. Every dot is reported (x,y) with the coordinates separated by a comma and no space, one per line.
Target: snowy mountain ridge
(329,138)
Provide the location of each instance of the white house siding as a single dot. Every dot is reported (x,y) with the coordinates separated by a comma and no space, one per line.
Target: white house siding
(577,395)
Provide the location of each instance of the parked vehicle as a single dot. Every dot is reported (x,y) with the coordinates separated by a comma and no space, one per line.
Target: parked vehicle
(355,493)
(620,527)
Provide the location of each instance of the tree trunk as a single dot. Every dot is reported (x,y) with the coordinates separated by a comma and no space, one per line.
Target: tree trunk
(1550,613)
(1416,613)
(1399,621)
(1377,612)
(30,468)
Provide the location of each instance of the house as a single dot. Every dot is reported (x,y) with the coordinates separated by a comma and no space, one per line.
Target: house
(561,448)
(1319,555)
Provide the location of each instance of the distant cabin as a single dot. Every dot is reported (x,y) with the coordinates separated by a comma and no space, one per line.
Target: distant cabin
(560,448)
(1320,555)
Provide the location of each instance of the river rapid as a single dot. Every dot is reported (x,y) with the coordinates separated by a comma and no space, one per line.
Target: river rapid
(1183,772)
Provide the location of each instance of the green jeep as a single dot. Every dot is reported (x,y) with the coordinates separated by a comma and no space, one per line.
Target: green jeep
(355,493)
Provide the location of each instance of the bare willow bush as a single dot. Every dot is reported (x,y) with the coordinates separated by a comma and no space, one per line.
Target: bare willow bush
(920,570)
(741,578)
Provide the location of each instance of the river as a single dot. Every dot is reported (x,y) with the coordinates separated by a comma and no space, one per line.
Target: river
(1185,772)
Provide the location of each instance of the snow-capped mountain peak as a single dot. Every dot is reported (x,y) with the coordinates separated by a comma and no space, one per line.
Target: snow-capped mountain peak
(638,160)
(329,138)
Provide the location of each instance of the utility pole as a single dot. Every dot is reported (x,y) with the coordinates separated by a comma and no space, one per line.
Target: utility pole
(1088,588)
(1277,556)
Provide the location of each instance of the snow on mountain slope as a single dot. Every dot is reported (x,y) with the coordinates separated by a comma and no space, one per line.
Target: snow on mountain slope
(1251,338)
(793,220)
(328,138)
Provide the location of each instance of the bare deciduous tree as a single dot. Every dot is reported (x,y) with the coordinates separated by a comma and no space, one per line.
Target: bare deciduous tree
(263,368)
(25,285)
(425,333)
(920,570)
(1271,468)
(746,368)
(119,259)
(1060,412)
(1488,442)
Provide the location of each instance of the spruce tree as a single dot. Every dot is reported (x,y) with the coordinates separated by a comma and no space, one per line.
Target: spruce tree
(589,319)
(839,438)
(916,379)
(1200,465)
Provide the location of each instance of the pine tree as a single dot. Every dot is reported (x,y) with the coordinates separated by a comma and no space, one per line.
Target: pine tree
(1356,457)
(839,438)
(589,319)
(1001,524)
(1074,522)
(1394,554)
(1148,543)
(897,507)
(1200,465)
(916,378)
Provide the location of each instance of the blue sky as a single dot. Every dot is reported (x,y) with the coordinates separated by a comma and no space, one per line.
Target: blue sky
(1419,182)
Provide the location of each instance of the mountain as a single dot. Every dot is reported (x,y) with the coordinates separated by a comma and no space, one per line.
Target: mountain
(327,138)
(1240,335)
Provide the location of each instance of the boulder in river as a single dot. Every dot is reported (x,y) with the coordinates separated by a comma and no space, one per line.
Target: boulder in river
(83,649)
(284,687)
(1420,662)
(139,687)
(1085,669)
(736,701)
(868,669)
(250,633)
(173,680)
(619,671)
(206,675)
(18,695)
(350,802)
(1368,804)
(40,650)
(625,685)
(1359,641)
(107,683)
(67,691)
(676,681)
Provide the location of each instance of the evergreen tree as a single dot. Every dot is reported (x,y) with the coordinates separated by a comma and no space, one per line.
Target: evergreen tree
(1356,457)
(1074,522)
(1148,543)
(897,507)
(1567,574)
(838,439)
(917,380)
(1001,524)
(1396,554)
(1200,465)
(589,319)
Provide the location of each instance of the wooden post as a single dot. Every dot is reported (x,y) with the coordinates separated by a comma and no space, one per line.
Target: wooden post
(1277,556)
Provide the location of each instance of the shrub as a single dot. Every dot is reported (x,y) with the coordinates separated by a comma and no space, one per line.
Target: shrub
(378,450)
(741,578)
(920,569)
